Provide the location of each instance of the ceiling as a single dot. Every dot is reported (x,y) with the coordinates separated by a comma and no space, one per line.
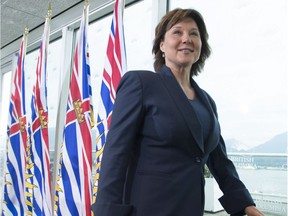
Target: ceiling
(17,14)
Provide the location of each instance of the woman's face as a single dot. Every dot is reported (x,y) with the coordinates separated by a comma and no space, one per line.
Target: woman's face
(182,44)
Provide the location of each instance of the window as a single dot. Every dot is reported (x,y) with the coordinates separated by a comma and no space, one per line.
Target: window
(247,76)
(5,86)
(247,71)
(4,107)
(138,39)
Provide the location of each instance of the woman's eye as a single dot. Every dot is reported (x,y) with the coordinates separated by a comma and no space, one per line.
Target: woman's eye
(177,32)
(194,33)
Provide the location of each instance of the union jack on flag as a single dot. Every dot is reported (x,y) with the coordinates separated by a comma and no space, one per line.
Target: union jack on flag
(114,68)
(14,176)
(74,181)
(38,186)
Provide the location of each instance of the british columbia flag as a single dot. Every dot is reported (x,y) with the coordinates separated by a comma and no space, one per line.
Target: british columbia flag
(114,68)
(74,182)
(38,186)
(14,176)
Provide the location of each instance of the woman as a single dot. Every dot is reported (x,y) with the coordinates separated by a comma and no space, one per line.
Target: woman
(163,130)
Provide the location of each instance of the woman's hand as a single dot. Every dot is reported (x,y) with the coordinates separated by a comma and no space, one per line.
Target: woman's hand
(253,211)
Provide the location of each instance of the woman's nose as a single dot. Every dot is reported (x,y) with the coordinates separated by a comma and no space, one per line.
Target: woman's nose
(186,38)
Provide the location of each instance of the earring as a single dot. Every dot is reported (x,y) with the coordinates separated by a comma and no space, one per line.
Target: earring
(163,55)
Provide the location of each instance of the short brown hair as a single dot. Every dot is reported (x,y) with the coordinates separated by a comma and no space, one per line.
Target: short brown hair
(170,19)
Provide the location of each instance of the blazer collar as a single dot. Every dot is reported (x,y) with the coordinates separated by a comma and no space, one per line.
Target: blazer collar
(183,105)
(188,113)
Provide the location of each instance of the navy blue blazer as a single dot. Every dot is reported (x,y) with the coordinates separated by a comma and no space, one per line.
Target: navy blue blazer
(154,154)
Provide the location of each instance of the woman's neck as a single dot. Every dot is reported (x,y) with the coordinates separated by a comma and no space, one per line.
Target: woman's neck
(183,78)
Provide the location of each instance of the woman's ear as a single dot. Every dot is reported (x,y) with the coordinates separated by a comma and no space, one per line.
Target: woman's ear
(161,46)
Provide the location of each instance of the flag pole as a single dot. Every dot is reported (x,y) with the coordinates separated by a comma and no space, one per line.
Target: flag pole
(14,170)
(75,157)
(38,151)
(49,16)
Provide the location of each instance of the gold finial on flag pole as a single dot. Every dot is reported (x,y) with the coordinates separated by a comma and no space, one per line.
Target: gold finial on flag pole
(26,31)
(86,5)
(49,13)
(86,2)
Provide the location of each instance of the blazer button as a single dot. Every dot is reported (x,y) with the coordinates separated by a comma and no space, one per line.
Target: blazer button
(197,159)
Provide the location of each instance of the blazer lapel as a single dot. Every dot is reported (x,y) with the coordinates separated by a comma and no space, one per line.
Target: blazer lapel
(183,105)
(214,134)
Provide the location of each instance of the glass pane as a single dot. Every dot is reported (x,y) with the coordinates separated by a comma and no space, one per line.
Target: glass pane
(97,39)
(139,33)
(138,39)
(247,71)
(6,82)
(5,91)
(247,76)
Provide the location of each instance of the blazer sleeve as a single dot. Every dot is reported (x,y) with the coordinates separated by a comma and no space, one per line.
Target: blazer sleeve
(236,196)
(121,139)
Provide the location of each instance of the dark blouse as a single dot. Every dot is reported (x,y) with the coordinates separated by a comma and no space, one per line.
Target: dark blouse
(203,116)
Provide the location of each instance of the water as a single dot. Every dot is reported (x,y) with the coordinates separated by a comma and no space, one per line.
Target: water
(268,188)
(268,181)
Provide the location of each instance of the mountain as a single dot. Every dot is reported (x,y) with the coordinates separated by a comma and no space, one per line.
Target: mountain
(233,145)
(278,144)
